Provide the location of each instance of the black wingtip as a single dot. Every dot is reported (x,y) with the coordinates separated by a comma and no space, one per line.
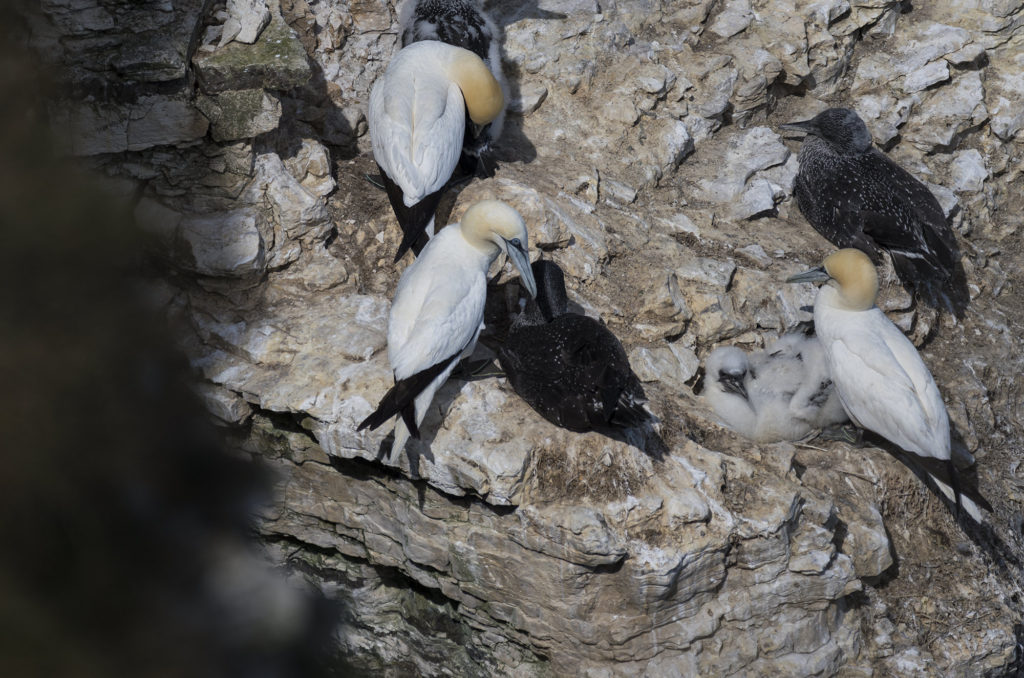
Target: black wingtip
(400,398)
(960,491)
(413,240)
(413,220)
(372,421)
(409,417)
(941,287)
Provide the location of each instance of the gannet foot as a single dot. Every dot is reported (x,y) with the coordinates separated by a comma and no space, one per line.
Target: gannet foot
(474,370)
(847,433)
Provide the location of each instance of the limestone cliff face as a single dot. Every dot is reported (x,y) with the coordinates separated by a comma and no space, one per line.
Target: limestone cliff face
(643,153)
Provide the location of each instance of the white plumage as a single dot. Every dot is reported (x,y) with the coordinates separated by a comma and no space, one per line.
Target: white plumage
(781,393)
(882,382)
(417,122)
(438,309)
(462,23)
(795,368)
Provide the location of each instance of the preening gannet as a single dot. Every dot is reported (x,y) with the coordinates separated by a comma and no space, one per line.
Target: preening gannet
(465,24)
(855,196)
(438,309)
(417,121)
(781,393)
(570,368)
(882,382)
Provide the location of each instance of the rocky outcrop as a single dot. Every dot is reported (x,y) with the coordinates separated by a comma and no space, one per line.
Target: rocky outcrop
(644,154)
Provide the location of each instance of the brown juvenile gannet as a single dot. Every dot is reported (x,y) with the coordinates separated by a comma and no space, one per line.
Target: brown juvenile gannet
(570,368)
(855,196)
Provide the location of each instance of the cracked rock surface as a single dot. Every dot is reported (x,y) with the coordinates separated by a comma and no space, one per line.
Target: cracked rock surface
(643,151)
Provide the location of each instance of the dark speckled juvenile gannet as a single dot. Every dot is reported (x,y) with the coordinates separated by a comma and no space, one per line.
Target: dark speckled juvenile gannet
(882,382)
(570,368)
(465,24)
(417,121)
(438,309)
(855,196)
(781,393)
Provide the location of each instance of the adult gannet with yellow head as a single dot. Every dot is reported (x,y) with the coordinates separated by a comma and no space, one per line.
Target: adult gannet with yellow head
(417,121)
(462,23)
(438,309)
(882,382)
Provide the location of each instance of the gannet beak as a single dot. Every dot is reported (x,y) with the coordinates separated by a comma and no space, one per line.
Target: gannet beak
(733,383)
(805,126)
(516,251)
(812,276)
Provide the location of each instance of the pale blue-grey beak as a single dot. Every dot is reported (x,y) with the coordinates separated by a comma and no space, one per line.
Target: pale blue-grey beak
(516,251)
(805,126)
(814,275)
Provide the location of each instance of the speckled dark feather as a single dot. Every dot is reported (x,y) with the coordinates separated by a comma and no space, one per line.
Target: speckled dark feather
(571,369)
(456,22)
(858,197)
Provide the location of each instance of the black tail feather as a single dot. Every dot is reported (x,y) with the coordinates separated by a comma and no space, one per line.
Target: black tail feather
(630,413)
(400,399)
(962,490)
(413,220)
(941,289)
(954,482)
(409,417)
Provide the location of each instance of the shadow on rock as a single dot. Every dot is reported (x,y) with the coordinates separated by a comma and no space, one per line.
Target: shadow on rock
(133,524)
(513,145)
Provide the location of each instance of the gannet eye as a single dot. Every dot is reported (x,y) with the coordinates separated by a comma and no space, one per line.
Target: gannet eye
(515,242)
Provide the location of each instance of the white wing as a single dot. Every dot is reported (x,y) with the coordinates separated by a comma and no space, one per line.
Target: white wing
(437,310)
(417,120)
(910,360)
(880,395)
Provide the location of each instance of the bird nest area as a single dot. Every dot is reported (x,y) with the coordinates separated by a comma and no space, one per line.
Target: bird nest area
(593,469)
(941,588)
(934,591)
(364,239)
(938,587)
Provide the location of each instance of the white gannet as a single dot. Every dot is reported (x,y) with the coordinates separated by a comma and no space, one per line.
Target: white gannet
(438,309)
(855,196)
(781,393)
(570,368)
(465,24)
(882,382)
(417,122)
